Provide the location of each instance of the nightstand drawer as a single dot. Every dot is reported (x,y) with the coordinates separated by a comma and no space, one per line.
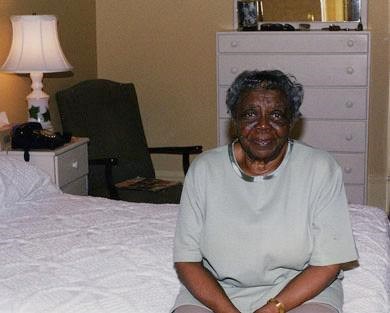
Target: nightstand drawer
(77,187)
(72,165)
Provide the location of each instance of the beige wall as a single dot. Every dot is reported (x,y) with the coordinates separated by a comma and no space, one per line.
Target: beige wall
(77,32)
(378,20)
(388,118)
(167,48)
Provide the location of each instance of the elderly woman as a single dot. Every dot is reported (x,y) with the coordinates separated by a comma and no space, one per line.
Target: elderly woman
(263,225)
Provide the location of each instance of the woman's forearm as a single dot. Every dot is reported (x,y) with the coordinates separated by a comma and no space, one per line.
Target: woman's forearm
(305,286)
(204,287)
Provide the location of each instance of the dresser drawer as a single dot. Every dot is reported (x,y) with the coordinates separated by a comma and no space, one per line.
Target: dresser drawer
(335,136)
(345,136)
(321,103)
(72,165)
(335,103)
(355,193)
(313,42)
(338,70)
(353,166)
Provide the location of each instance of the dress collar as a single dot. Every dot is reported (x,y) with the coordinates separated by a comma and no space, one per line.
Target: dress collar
(250,178)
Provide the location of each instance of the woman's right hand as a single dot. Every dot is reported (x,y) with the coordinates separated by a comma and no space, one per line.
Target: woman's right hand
(204,287)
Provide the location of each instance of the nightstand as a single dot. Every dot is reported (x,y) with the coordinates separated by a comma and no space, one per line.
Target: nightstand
(66,165)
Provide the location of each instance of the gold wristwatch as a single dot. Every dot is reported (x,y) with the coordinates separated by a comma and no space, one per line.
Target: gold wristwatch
(278,304)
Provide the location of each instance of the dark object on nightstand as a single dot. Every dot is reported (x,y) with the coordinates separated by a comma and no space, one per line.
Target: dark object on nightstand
(107,113)
(29,136)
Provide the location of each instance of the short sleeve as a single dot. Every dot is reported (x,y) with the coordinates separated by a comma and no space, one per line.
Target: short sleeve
(333,241)
(190,221)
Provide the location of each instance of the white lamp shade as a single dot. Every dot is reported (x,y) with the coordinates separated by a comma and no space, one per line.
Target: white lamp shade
(35,46)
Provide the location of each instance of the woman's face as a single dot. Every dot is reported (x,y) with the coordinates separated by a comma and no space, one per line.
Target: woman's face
(263,123)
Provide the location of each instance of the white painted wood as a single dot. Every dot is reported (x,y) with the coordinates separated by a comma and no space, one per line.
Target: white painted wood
(355,193)
(309,69)
(299,42)
(72,164)
(67,165)
(334,69)
(321,102)
(352,165)
(335,136)
(77,187)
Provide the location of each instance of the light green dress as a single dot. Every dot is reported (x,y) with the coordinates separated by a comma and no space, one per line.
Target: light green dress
(254,234)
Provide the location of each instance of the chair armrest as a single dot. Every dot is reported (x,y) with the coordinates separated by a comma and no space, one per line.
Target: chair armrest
(184,151)
(108,164)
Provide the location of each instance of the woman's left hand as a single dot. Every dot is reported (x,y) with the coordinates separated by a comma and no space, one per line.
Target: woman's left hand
(268,308)
(303,287)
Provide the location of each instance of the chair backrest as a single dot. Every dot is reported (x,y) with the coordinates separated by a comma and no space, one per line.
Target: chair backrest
(107,112)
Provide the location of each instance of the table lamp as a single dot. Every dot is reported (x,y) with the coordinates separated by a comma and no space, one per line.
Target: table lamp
(35,49)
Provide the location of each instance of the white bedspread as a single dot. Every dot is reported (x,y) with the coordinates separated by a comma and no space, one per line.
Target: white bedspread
(84,254)
(367,287)
(62,253)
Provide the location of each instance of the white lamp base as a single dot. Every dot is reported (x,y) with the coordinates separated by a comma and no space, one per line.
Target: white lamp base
(38,111)
(38,102)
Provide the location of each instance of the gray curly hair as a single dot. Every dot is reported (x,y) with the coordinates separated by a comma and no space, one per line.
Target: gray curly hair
(273,80)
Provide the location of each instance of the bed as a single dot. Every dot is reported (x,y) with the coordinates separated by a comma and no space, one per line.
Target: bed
(65,253)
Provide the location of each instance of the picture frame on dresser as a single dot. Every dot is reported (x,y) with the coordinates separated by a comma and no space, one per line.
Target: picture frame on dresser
(334,68)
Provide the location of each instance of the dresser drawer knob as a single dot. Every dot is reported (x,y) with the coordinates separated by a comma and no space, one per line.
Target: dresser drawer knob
(350,70)
(347,170)
(349,104)
(350,43)
(234,43)
(234,70)
(75,164)
(348,137)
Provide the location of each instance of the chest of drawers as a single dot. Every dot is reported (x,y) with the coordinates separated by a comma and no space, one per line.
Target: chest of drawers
(66,165)
(334,70)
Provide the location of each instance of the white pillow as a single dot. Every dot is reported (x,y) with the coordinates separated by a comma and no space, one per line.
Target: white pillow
(20,180)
